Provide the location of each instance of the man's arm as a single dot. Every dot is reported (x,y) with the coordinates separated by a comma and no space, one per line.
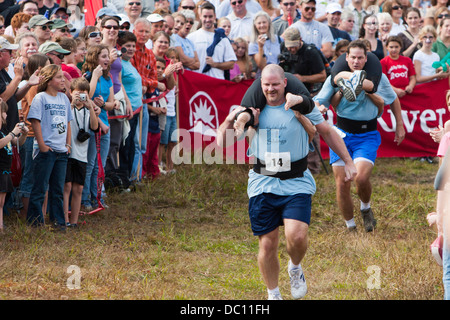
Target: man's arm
(314,78)
(396,109)
(226,65)
(335,142)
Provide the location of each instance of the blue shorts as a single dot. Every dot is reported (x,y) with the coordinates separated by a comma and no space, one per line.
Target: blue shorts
(268,210)
(171,126)
(361,145)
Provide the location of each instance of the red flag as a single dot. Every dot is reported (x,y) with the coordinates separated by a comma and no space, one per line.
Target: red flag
(91,7)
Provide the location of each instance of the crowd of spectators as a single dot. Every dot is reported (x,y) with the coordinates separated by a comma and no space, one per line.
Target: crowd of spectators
(132,54)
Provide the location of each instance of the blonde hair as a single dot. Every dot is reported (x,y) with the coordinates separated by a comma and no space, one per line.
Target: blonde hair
(427,29)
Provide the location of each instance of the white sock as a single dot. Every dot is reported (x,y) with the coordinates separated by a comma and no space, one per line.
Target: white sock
(273,291)
(350,223)
(365,205)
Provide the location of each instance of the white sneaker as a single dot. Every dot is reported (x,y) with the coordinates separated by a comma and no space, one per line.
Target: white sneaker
(357,80)
(298,282)
(275,296)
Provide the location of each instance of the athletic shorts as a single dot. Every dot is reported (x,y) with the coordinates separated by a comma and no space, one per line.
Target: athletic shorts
(359,146)
(267,211)
(76,171)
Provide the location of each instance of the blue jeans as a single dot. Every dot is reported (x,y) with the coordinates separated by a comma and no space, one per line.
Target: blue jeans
(140,148)
(49,169)
(89,195)
(26,152)
(446,269)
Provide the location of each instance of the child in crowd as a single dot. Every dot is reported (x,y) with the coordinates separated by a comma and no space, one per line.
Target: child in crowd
(168,140)
(423,58)
(84,119)
(399,69)
(96,71)
(35,62)
(17,135)
(50,117)
(150,166)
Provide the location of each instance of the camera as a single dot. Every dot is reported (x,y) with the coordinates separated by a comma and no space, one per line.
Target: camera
(264,36)
(82,96)
(82,135)
(21,125)
(288,60)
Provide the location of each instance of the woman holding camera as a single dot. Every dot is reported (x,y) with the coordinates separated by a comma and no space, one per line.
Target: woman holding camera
(264,45)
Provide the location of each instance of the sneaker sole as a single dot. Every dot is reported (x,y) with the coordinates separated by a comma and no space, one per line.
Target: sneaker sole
(358,89)
(348,93)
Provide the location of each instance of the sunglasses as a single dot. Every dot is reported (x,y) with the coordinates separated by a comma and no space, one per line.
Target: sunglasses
(188,7)
(443,16)
(111,27)
(59,55)
(396,8)
(45,28)
(136,3)
(235,2)
(190,22)
(124,27)
(313,9)
(62,16)
(94,34)
(287,4)
(2,26)
(64,30)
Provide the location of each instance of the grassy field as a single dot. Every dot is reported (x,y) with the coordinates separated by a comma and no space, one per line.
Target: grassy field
(187,236)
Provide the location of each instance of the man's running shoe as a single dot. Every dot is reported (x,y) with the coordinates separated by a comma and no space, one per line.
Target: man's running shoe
(369,220)
(298,282)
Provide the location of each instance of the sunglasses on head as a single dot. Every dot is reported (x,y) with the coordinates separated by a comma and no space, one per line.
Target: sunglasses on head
(94,34)
(188,7)
(111,27)
(313,9)
(235,2)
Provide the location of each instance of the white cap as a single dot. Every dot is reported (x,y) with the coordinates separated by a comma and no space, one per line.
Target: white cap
(334,7)
(123,18)
(6,45)
(155,17)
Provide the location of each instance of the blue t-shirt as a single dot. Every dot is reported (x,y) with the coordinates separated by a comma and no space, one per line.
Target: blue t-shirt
(280,132)
(132,82)
(103,89)
(54,114)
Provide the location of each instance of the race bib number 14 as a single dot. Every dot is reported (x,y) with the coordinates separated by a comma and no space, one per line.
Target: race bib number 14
(278,162)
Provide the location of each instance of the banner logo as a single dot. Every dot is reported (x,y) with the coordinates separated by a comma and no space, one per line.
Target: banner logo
(203,115)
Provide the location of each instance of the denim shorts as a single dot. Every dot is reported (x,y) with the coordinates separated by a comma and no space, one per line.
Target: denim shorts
(362,145)
(267,211)
(171,126)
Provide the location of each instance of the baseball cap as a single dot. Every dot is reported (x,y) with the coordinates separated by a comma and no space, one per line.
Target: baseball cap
(6,45)
(292,37)
(107,12)
(155,17)
(307,1)
(38,20)
(123,18)
(66,11)
(334,7)
(60,23)
(50,46)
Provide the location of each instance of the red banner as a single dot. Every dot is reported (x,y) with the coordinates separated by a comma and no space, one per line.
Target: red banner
(204,103)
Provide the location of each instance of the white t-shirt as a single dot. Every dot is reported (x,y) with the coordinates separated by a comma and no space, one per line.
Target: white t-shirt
(223,52)
(82,118)
(314,32)
(426,61)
